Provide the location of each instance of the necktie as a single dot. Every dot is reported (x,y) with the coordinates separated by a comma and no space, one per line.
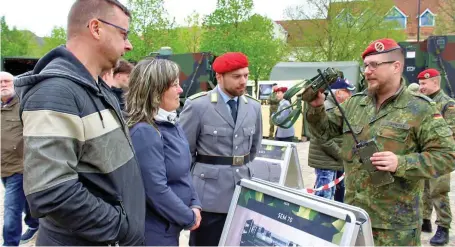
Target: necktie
(233,105)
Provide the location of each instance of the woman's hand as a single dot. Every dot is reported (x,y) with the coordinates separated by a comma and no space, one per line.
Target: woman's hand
(197,212)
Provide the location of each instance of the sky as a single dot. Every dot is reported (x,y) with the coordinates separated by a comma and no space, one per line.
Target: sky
(37,16)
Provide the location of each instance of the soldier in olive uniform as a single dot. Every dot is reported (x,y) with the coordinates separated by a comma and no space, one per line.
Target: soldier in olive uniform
(224,131)
(436,191)
(273,102)
(414,143)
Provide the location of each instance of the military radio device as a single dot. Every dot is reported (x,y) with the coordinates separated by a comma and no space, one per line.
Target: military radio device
(310,90)
(320,83)
(365,149)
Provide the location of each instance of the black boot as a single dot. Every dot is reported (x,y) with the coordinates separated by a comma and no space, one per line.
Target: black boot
(426,226)
(441,237)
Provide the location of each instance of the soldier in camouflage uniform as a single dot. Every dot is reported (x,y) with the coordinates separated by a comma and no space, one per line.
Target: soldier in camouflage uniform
(436,192)
(273,102)
(414,142)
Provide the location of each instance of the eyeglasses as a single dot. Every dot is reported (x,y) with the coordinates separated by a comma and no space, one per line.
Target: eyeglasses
(375,65)
(125,32)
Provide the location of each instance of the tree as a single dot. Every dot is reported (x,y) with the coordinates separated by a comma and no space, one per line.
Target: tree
(263,49)
(445,20)
(14,42)
(233,27)
(188,38)
(57,38)
(328,30)
(150,28)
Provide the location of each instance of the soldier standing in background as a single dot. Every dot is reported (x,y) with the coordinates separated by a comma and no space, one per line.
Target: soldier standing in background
(224,131)
(436,192)
(414,143)
(273,102)
(283,134)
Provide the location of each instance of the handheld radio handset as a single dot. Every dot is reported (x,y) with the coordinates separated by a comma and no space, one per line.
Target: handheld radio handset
(365,149)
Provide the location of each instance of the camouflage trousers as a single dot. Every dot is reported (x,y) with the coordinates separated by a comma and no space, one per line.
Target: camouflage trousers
(436,194)
(396,237)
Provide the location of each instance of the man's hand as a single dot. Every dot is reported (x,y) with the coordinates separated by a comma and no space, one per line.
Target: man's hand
(197,212)
(385,161)
(319,100)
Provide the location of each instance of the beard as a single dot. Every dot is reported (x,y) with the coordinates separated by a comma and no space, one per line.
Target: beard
(372,90)
(7,93)
(234,92)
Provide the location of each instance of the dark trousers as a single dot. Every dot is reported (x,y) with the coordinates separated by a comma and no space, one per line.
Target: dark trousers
(15,204)
(339,192)
(209,232)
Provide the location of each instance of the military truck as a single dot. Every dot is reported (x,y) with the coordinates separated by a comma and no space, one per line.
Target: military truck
(437,52)
(196,72)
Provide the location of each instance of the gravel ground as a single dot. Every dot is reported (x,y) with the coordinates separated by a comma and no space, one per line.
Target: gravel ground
(309,177)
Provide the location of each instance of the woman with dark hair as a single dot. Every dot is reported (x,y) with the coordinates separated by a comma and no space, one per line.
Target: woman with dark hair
(162,151)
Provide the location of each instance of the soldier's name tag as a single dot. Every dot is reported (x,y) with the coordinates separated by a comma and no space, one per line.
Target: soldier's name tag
(395,125)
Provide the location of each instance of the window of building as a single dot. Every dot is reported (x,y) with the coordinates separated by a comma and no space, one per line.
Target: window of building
(396,15)
(427,19)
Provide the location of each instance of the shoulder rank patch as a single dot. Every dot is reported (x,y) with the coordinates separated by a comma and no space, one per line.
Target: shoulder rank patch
(251,97)
(426,98)
(195,96)
(214,97)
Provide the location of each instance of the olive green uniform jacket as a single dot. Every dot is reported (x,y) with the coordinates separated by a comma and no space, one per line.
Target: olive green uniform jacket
(410,126)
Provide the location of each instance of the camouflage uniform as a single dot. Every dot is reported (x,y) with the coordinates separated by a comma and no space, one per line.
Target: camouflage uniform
(410,126)
(273,101)
(436,190)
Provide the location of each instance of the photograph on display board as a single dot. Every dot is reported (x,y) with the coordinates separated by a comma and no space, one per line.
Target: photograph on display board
(263,220)
(272,152)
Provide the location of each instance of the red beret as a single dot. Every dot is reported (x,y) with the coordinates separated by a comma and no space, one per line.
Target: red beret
(282,89)
(380,46)
(230,61)
(428,73)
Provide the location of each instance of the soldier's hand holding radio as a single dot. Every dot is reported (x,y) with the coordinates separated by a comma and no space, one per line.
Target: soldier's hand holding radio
(385,161)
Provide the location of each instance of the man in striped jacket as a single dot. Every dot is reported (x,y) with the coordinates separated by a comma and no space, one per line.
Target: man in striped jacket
(81,176)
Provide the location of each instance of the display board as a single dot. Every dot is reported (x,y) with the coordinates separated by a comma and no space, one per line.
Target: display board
(261,214)
(365,235)
(284,155)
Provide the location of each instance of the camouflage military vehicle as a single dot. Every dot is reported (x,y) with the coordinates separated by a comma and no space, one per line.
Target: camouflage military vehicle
(196,72)
(437,52)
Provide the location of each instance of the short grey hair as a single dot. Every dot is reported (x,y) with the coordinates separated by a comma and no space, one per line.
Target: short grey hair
(149,79)
(82,11)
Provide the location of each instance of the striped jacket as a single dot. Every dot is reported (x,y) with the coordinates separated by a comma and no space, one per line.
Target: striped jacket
(81,176)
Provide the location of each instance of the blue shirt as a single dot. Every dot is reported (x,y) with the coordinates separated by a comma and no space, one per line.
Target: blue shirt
(226,98)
